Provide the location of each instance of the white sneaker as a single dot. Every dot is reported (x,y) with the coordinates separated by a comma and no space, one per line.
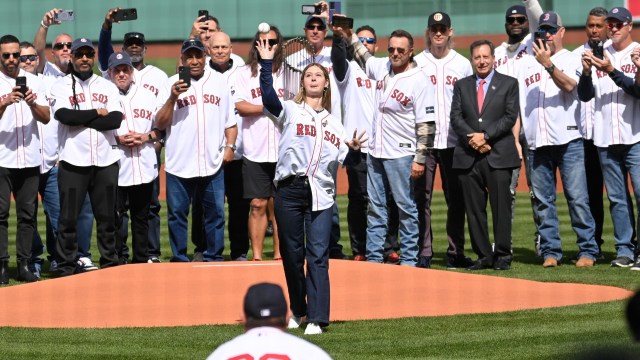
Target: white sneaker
(313,329)
(87,264)
(294,322)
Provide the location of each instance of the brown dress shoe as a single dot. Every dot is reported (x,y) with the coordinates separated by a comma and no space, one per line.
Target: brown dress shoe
(585,262)
(550,262)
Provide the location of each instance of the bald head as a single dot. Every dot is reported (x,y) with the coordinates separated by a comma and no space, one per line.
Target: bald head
(220,48)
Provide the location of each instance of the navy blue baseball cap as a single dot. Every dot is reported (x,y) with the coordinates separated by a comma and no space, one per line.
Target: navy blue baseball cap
(550,18)
(80,43)
(119,58)
(620,14)
(516,10)
(265,300)
(192,44)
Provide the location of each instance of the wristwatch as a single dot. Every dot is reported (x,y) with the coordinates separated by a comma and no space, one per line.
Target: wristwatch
(232,146)
(550,68)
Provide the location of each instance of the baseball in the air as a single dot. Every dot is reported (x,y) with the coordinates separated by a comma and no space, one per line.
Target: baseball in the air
(264,28)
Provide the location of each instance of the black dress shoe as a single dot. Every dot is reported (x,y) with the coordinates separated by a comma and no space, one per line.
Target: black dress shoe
(502,264)
(4,272)
(480,265)
(24,273)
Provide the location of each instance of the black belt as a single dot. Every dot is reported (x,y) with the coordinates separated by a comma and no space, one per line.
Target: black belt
(291,179)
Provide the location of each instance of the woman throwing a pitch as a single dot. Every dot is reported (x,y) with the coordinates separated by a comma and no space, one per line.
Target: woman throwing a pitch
(312,144)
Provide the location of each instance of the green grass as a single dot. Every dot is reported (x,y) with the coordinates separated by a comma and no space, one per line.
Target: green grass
(533,334)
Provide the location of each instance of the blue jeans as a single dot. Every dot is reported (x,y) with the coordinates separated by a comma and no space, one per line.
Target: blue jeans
(618,163)
(180,194)
(48,189)
(569,158)
(393,176)
(295,219)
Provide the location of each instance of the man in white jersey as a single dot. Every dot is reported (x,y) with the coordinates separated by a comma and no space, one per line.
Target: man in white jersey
(265,321)
(201,133)
(88,108)
(596,29)
(138,165)
(149,77)
(203,28)
(444,66)
(550,116)
(615,127)
(20,109)
(61,65)
(261,139)
(402,132)
(220,48)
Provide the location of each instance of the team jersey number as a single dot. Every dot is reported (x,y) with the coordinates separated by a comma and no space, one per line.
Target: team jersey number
(263,357)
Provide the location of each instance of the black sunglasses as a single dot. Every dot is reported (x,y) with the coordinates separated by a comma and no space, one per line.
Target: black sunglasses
(315,27)
(516,19)
(80,53)
(24,58)
(61,45)
(6,56)
(367,40)
(400,51)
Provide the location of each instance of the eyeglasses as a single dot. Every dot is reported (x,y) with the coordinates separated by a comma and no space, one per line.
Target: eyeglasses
(516,19)
(81,53)
(315,27)
(61,45)
(366,40)
(24,58)
(400,51)
(15,55)
(549,30)
(617,25)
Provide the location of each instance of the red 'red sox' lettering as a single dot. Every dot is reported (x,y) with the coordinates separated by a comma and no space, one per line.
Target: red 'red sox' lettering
(211,99)
(79,97)
(400,97)
(186,101)
(102,99)
(532,79)
(332,138)
(142,114)
(363,82)
(152,88)
(308,130)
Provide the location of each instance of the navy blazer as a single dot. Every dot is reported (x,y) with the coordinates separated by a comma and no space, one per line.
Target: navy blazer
(499,114)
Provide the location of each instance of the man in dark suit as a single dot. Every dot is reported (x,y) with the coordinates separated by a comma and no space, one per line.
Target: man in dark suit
(483,111)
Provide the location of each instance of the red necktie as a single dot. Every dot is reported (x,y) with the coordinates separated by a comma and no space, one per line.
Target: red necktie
(480,95)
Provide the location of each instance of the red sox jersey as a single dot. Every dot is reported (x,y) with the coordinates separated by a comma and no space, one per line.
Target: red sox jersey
(312,145)
(195,139)
(407,100)
(267,343)
(231,76)
(261,136)
(138,165)
(80,145)
(359,99)
(51,69)
(549,115)
(617,117)
(19,139)
(443,74)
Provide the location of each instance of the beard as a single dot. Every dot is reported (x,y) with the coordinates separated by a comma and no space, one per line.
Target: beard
(136,58)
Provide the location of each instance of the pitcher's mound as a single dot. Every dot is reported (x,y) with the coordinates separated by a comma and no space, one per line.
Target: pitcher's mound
(171,294)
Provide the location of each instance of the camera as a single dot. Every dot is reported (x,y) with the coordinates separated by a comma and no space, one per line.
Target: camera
(598,50)
(311,9)
(64,15)
(204,13)
(21,82)
(125,15)
(342,22)
(541,35)
(184,74)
